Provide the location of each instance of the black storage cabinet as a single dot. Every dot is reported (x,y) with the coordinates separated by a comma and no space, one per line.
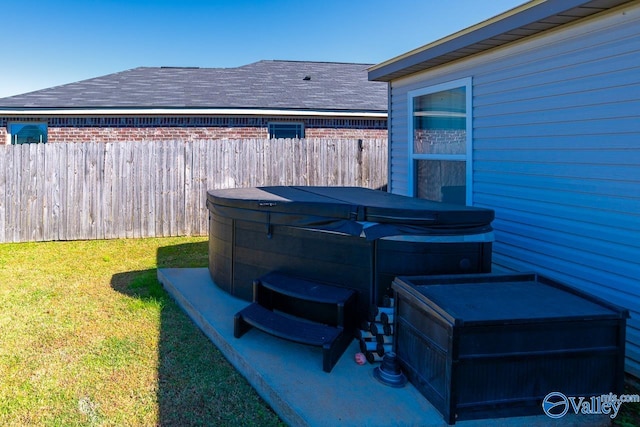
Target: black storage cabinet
(348,236)
(494,345)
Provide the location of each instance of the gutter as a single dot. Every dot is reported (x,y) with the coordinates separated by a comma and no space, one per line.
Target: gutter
(526,20)
(457,35)
(187,112)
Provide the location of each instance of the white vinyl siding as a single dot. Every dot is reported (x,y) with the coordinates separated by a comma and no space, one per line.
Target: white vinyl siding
(556,154)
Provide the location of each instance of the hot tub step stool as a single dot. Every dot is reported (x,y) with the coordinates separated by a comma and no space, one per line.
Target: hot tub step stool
(302,311)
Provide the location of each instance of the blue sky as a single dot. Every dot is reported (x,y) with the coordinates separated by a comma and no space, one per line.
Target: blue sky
(47,43)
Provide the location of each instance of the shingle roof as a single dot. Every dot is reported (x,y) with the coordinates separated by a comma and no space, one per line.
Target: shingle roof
(263,85)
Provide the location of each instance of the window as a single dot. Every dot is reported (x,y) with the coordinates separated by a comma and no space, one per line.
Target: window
(28,133)
(440,152)
(286,130)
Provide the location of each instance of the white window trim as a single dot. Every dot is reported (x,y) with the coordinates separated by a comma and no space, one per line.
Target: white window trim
(301,124)
(468,157)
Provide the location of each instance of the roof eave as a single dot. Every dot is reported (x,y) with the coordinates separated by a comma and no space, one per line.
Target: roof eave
(523,21)
(28,112)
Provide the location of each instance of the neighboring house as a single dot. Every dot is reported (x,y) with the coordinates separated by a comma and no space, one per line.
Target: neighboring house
(266,99)
(535,114)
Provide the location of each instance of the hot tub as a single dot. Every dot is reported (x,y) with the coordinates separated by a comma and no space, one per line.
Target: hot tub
(352,237)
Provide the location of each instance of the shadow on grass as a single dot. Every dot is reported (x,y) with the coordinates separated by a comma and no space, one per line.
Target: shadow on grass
(196,385)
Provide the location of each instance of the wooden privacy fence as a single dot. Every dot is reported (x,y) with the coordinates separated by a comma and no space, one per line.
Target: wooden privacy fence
(152,189)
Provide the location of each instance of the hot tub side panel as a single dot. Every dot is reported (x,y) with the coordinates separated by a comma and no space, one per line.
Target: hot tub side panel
(242,251)
(415,258)
(339,259)
(522,363)
(221,251)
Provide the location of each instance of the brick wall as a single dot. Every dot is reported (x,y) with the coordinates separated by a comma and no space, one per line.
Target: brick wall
(346,133)
(439,141)
(116,129)
(109,134)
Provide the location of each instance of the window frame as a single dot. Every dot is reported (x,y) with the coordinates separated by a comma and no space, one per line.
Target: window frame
(11,134)
(299,124)
(467,157)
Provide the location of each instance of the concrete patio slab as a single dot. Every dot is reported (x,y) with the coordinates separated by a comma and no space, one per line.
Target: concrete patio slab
(290,379)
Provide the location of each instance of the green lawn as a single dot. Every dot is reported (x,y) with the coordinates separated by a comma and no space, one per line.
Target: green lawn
(89,337)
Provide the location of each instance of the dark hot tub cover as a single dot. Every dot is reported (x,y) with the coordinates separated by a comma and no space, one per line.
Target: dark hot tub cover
(351,210)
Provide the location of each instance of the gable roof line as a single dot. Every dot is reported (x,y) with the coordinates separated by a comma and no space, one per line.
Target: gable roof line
(515,24)
(296,61)
(300,61)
